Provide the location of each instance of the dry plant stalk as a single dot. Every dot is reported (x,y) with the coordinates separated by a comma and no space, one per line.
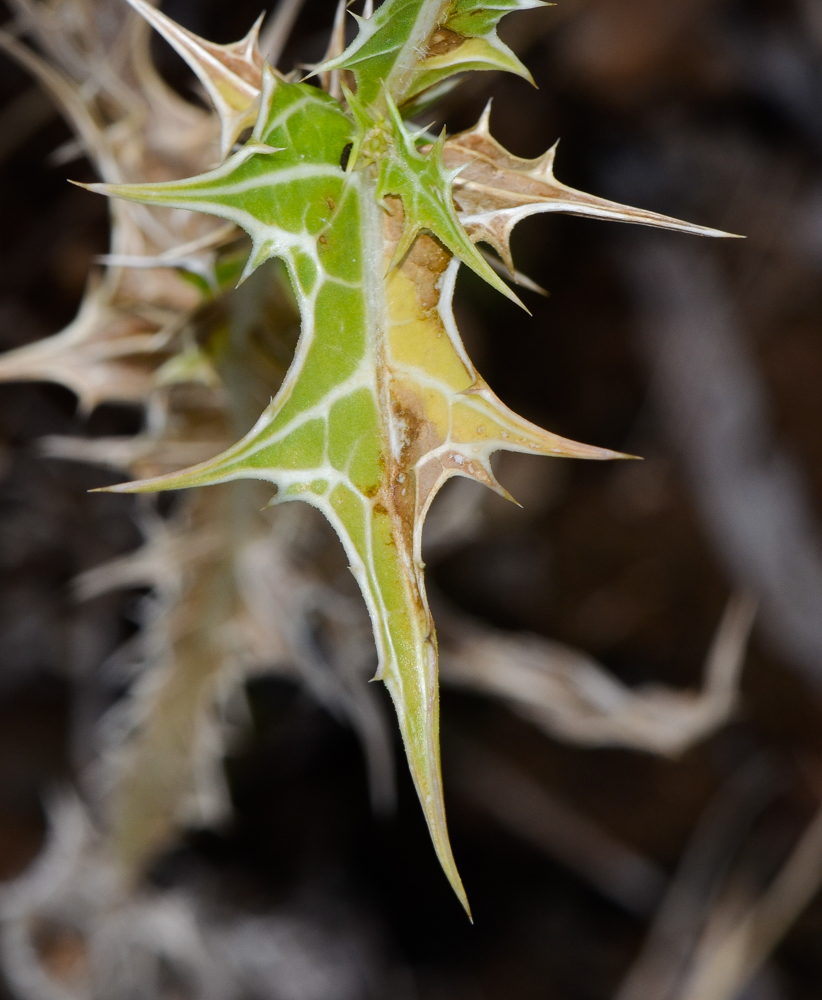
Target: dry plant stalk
(369,220)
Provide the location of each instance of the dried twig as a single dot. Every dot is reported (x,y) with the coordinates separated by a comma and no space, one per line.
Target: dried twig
(276,32)
(573,698)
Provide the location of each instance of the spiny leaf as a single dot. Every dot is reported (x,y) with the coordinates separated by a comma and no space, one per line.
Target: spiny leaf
(231,74)
(285,180)
(103,354)
(467,40)
(325,438)
(126,325)
(408,46)
(381,405)
(424,186)
(495,190)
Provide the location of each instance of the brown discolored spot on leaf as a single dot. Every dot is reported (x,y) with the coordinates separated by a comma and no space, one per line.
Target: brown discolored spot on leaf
(443,41)
(424,263)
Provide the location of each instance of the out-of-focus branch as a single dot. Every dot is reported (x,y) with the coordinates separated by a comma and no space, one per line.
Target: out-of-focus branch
(278,28)
(573,698)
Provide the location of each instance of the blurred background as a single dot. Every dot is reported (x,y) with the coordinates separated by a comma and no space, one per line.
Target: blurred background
(593,872)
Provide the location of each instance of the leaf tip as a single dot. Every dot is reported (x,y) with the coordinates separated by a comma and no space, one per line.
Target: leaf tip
(95,188)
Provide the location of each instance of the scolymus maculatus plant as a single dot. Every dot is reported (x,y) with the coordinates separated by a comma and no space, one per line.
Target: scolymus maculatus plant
(372,218)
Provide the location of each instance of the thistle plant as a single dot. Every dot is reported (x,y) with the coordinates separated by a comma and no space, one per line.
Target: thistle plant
(370,217)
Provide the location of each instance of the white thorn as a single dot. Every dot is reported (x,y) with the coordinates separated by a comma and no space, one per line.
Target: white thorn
(545,167)
(483,126)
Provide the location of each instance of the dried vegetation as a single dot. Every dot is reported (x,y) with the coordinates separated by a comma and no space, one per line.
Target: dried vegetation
(718,847)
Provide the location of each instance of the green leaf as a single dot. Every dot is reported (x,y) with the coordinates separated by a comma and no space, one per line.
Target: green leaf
(407,46)
(424,185)
(282,187)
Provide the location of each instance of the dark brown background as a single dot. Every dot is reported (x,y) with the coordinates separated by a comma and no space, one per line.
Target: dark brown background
(706,109)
